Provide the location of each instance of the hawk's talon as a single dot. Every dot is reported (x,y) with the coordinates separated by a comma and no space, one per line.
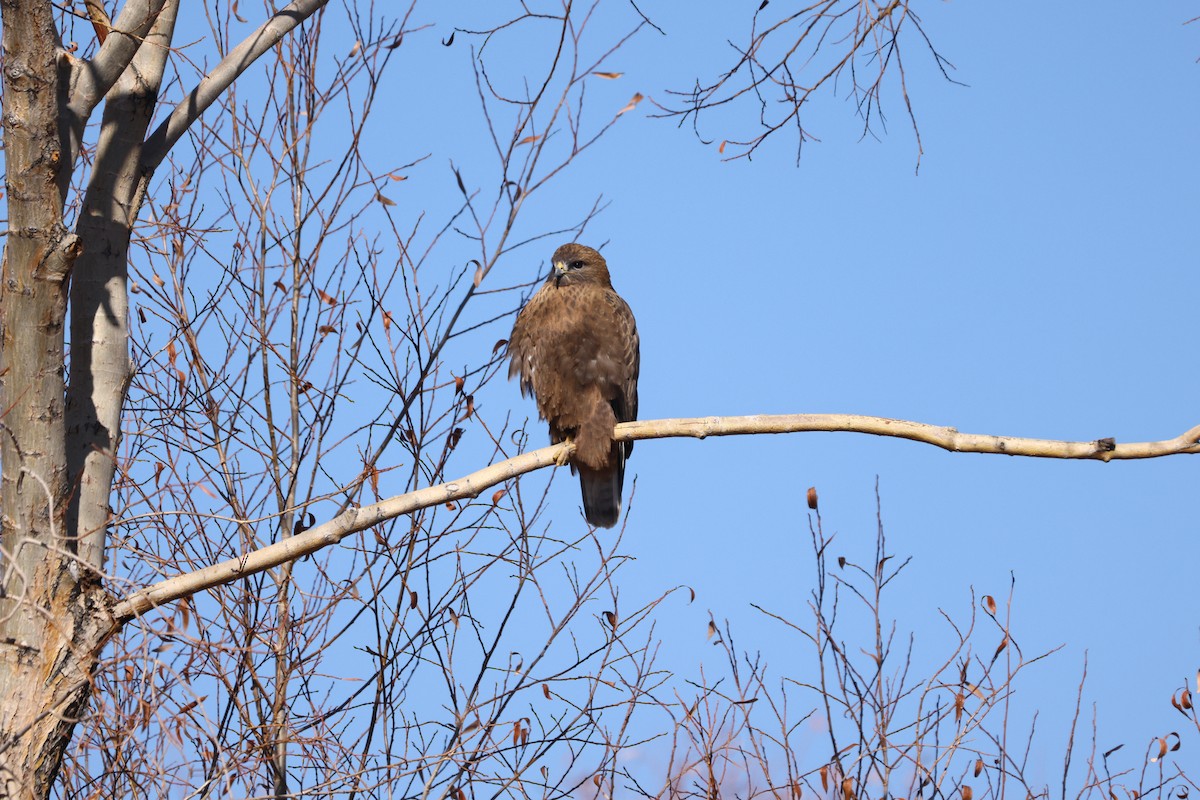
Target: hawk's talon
(563,458)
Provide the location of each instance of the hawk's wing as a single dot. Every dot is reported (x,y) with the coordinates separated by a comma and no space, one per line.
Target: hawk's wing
(629,362)
(522,344)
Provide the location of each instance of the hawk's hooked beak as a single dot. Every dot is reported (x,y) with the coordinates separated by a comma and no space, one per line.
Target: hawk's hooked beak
(560,272)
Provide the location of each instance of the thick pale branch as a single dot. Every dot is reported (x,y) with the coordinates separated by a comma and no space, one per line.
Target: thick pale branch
(91,80)
(359,519)
(100,367)
(332,532)
(946,438)
(223,75)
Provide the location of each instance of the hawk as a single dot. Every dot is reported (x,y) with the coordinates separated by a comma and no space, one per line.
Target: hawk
(575,347)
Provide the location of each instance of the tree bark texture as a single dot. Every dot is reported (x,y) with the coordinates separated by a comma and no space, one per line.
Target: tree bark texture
(52,623)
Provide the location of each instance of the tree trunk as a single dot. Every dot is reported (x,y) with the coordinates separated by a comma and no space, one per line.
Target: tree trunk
(52,623)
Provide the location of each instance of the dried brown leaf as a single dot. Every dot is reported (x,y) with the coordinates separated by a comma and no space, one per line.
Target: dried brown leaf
(989,603)
(387,201)
(100,20)
(812,497)
(1000,648)
(612,76)
(326,297)
(632,104)
(498,495)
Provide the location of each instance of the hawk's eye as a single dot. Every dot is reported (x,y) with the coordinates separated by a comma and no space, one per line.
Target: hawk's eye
(576,265)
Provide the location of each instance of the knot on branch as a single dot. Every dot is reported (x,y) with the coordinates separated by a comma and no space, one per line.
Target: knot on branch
(60,257)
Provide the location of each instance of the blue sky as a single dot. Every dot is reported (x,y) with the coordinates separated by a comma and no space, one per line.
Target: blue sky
(1034,278)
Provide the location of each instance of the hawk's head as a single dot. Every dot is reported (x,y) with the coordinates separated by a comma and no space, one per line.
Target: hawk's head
(576,264)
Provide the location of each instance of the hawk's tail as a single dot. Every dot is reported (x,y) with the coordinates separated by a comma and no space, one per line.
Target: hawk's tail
(602,491)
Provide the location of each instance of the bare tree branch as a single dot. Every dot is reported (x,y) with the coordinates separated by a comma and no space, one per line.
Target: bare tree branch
(825,45)
(90,80)
(951,439)
(100,370)
(360,519)
(225,73)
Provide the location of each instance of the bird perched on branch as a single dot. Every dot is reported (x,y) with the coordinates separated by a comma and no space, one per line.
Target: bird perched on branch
(575,347)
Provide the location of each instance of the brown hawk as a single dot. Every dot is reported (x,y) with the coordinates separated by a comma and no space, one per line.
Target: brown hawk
(575,346)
